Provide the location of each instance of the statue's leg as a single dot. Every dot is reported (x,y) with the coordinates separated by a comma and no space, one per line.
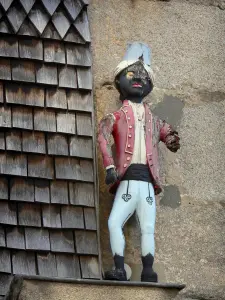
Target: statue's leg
(123,208)
(146,213)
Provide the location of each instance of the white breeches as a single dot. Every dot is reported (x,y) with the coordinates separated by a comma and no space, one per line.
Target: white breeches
(133,196)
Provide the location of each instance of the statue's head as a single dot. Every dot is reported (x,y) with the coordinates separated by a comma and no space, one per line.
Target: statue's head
(133,76)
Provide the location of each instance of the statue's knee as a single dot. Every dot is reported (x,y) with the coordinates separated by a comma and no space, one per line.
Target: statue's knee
(148,229)
(112,224)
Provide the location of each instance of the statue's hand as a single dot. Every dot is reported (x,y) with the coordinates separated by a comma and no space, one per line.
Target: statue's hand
(111,176)
(173,142)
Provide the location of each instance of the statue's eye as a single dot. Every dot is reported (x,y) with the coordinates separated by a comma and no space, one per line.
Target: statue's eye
(130,74)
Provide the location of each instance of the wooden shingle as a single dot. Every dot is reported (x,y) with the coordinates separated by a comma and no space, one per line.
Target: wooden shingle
(66,123)
(6,4)
(27,28)
(23,263)
(84,124)
(5,69)
(68,266)
(61,22)
(56,98)
(90,218)
(57,144)
(47,265)
(78,55)
(15,238)
(13,164)
(62,241)
(50,32)
(33,142)
(5,261)
(84,78)
(40,166)
(29,214)
(41,191)
(67,77)
(9,47)
(23,70)
(5,281)
(73,7)
(3,188)
(86,242)
(73,36)
(16,10)
(13,140)
(82,25)
(51,6)
(22,189)
(22,117)
(54,52)
(2,237)
(27,4)
(44,120)
(1,93)
(72,217)
(82,194)
(51,216)
(5,117)
(8,213)
(2,141)
(24,94)
(81,147)
(37,239)
(5,27)
(89,267)
(31,49)
(59,192)
(47,74)
(39,17)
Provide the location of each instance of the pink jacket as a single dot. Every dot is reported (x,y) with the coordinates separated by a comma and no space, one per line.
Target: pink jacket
(121,125)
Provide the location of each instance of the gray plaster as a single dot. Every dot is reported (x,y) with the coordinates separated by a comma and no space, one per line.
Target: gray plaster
(171,196)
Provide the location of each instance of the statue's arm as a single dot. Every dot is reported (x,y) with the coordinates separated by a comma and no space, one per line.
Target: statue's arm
(169,136)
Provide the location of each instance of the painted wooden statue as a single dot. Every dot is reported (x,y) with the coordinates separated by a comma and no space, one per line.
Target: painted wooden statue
(134,173)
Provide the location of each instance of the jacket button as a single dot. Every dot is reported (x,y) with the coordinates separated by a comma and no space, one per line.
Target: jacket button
(130,135)
(130,126)
(128,158)
(149,121)
(128,146)
(128,118)
(149,130)
(126,111)
(125,165)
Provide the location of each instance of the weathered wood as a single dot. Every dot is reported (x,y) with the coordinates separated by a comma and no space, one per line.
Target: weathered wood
(27,28)
(68,266)
(57,144)
(23,263)
(81,147)
(5,116)
(29,214)
(67,77)
(62,241)
(82,194)
(86,242)
(13,140)
(47,265)
(16,10)
(84,78)
(1,93)
(61,22)
(72,168)
(9,47)
(33,142)
(54,52)
(82,25)
(5,27)
(50,32)
(73,36)
(72,217)
(41,191)
(5,69)
(51,5)
(5,261)
(31,48)
(90,218)
(56,98)
(2,237)
(13,164)
(59,192)
(84,124)
(3,188)
(89,267)
(23,70)
(22,117)
(5,281)
(51,216)
(66,123)
(22,189)
(39,17)
(40,166)
(37,239)
(44,120)
(6,4)
(24,94)
(8,213)
(78,55)
(27,4)
(47,74)
(73,8)
(2,141)
(15,238)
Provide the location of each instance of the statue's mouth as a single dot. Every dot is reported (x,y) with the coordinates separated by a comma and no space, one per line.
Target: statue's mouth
(137,85)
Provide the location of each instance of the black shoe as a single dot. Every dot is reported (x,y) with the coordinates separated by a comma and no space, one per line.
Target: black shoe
(117,274)
(148,275)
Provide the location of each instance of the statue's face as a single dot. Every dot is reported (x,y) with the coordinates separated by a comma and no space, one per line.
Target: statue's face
(134,82)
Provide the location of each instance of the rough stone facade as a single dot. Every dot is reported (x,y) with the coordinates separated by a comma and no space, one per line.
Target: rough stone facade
(188,41)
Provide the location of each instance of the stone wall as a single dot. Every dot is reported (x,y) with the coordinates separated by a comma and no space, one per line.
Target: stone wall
(188,41)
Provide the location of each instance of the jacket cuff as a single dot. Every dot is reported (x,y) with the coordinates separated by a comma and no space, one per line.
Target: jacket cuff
(110,167)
